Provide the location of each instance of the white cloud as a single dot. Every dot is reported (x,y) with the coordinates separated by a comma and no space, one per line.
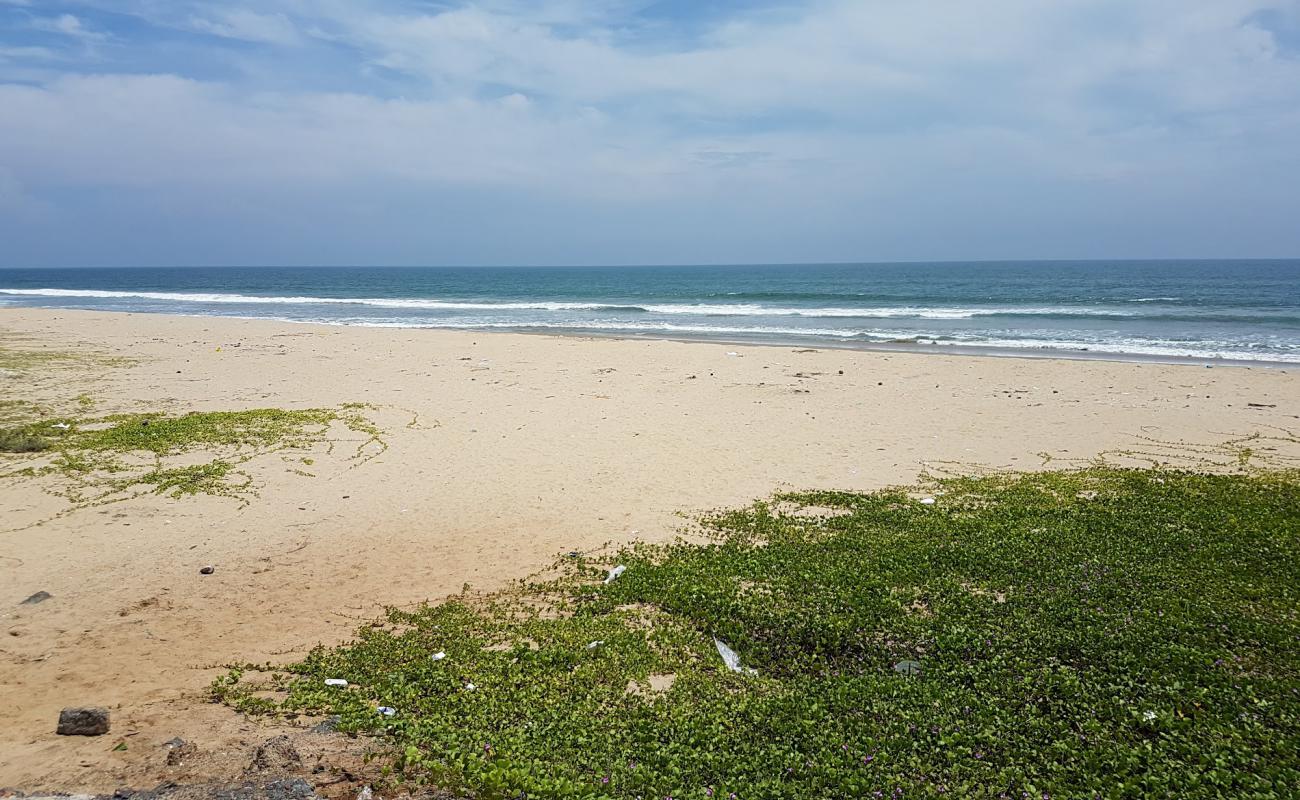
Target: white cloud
(249,26)
(69,25)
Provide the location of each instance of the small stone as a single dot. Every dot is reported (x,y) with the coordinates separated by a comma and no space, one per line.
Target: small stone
(39,597)
(329,725)
(208,570)
(83,722)
(908,668)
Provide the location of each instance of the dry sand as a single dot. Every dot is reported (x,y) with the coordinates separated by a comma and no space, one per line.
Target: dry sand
(504,450)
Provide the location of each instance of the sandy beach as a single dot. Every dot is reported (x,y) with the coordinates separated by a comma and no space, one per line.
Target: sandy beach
(503,450)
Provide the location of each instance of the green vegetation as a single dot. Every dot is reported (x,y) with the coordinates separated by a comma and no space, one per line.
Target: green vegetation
(1101,632)
(108,458)
(14,441)
(37,359)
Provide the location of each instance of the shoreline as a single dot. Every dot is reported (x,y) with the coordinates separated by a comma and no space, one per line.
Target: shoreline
(932,347)
(500,452)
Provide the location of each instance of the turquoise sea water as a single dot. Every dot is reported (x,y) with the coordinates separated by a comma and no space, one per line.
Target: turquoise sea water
(1208,309)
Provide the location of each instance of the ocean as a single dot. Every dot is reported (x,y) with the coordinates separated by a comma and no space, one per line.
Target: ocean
(1238,310)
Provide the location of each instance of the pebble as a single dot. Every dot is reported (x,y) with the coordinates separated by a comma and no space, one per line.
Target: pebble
(39,597)
(83,722)
(208,570)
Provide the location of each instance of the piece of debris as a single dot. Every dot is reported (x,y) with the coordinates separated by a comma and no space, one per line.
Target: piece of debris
(1261,405)
(469,687)
(730,658)
(277,755)
(438,656)
(339,682)
(595,644)
(614,573)
(365,794)
(387,711)
(39,597)
(208,570)
(83,722)
(927,501)
(908,668)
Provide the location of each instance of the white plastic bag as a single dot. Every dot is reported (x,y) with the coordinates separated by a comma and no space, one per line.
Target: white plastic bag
(730,658)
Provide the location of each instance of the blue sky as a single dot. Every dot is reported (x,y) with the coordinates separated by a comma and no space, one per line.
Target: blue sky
(161,132)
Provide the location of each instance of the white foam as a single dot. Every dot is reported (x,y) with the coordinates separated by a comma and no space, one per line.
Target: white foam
(245,299)
(695,309)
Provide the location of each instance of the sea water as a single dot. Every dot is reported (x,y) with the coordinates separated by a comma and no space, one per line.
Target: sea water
(1247,310)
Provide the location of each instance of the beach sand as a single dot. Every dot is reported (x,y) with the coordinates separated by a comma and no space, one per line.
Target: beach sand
(504,450)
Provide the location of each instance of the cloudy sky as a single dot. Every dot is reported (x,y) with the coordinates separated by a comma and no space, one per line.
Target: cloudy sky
(630,131)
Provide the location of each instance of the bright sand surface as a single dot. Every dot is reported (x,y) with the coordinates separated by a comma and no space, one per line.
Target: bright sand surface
(504,451)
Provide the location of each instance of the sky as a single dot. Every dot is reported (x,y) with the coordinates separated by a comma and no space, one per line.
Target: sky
(355,132)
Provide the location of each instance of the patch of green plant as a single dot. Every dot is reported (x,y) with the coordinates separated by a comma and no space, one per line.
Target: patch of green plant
(17,441)
(20,359)
(110,458)
(1104,632)
(165,435)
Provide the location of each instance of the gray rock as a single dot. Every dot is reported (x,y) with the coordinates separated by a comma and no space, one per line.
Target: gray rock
(908,668)
(329,725)
(39,597)
(83,722)
(276,755)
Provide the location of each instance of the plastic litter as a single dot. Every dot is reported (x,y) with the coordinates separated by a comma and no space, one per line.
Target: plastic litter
(595,644)
(63,426)
(387,711)
(730,658)
(339,682)
(365,794)
(733,354)
(469,687)
(438,656)
(614,573)
(927,501)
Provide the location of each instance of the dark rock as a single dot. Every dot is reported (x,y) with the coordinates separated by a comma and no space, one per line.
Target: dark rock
(283,789)
(276,755)
(328,726)
(39,597)
(208,570)
(83,722)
